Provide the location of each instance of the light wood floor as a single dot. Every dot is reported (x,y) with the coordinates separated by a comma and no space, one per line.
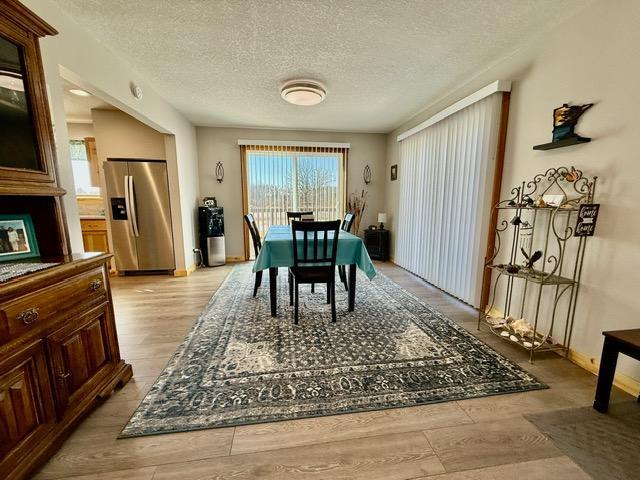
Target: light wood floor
(484,438)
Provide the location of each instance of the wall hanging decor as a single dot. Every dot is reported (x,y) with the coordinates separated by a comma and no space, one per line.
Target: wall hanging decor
(394,172)
(366,175)
(565,119)
(219,172)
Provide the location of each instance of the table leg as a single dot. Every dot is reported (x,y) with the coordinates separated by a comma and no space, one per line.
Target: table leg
(273,286)
(605,375)
(352,287)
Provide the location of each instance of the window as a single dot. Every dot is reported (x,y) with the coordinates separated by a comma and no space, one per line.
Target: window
(286,180)
(83,177)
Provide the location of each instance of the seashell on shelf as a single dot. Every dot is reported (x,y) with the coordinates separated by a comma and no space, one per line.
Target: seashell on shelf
(504,333)
(527,344)
(496,321)
(513,338)
(521,327)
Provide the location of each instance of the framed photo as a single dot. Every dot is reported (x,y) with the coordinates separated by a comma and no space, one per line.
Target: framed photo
(394,172)
(17,238)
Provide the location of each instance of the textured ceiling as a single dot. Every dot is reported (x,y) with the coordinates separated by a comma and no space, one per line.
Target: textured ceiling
(221,62)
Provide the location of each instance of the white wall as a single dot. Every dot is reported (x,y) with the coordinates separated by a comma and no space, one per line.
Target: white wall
(590,58)
(93,67)
(221,144)
(79,131)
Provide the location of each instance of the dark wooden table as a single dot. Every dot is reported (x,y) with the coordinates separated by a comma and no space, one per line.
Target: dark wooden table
(615,342)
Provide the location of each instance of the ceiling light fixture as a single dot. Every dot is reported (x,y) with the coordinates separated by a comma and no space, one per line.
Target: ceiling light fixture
(78,92)
(303,92)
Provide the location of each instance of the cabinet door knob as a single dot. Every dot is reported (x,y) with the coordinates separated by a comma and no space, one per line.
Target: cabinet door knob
(29,316)
(62,376)
(95,285)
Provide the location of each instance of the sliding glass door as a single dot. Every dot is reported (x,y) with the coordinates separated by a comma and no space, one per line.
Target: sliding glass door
(281,181)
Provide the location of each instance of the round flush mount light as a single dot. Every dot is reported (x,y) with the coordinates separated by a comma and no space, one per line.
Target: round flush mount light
(303,92)
(80,93)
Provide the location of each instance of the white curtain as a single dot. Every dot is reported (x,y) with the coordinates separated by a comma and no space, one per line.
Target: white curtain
(446,177)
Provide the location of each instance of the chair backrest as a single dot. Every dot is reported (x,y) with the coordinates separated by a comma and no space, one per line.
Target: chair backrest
(347,221)
(297,215)
(319,245)
(255,234)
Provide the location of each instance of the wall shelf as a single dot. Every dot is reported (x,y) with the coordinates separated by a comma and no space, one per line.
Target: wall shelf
(562,143)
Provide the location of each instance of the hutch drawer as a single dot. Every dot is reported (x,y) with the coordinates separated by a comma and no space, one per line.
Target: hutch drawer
(26,313)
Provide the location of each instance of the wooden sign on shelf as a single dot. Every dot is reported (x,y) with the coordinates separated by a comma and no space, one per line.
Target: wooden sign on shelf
(587,217)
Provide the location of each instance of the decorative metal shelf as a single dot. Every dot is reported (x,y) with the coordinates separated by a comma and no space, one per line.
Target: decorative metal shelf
(521,293)
(535,276)
(551,209)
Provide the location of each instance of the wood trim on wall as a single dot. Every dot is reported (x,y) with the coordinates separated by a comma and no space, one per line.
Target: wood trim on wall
(245,198)
(495,196)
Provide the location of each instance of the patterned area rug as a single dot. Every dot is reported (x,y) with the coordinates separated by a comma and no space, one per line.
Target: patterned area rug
(238,365)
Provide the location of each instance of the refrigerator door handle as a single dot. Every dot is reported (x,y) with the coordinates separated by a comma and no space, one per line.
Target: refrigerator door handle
(134,212)
(127,202)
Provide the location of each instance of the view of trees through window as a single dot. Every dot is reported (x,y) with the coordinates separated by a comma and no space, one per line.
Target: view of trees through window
(291,181)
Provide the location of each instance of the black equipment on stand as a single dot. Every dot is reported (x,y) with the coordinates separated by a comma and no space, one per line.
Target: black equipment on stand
(211,228)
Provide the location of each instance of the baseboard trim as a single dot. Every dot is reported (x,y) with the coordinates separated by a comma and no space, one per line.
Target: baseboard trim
(235,259)
(184,272)
(590,364)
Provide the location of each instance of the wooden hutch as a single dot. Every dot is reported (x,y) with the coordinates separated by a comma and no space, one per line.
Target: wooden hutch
(59,354)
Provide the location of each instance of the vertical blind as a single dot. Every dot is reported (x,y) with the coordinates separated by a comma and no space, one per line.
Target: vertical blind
(446,178)
(278,179)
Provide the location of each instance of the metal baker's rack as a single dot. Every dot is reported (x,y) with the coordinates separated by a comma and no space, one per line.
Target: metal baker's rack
(525,222)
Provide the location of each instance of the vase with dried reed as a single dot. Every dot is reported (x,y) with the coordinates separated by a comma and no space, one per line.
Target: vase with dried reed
(357,205)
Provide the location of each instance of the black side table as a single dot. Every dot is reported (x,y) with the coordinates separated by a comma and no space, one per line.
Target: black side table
(377,243)
(616,341)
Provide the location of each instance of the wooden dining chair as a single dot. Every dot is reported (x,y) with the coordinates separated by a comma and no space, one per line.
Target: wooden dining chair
(314,260)
(347,222)
(257,245)
(297,216)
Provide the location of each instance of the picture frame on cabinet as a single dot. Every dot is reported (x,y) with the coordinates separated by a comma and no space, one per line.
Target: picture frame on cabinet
(17,238)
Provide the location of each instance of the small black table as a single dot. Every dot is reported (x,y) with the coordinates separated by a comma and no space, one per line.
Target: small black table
(615,342)
(377,243)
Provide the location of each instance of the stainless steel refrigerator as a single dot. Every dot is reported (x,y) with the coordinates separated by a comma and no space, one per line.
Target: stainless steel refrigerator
(140,214)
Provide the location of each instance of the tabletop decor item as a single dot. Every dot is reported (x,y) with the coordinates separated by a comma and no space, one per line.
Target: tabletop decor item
(17,238)
(565,119)
(382,217)
(357,205)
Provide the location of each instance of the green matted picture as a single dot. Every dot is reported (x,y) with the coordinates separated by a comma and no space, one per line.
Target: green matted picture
(17,238)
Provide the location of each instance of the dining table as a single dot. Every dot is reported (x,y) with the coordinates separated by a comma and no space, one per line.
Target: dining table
(277,251)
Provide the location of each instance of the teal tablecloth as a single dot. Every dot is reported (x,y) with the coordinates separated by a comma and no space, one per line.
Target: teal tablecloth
(277,250)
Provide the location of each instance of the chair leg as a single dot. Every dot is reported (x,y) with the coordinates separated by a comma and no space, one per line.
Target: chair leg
(257,282)
(333,301)
(343,276)
(313,288)
(328,294)
(295,308)
(290,289)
